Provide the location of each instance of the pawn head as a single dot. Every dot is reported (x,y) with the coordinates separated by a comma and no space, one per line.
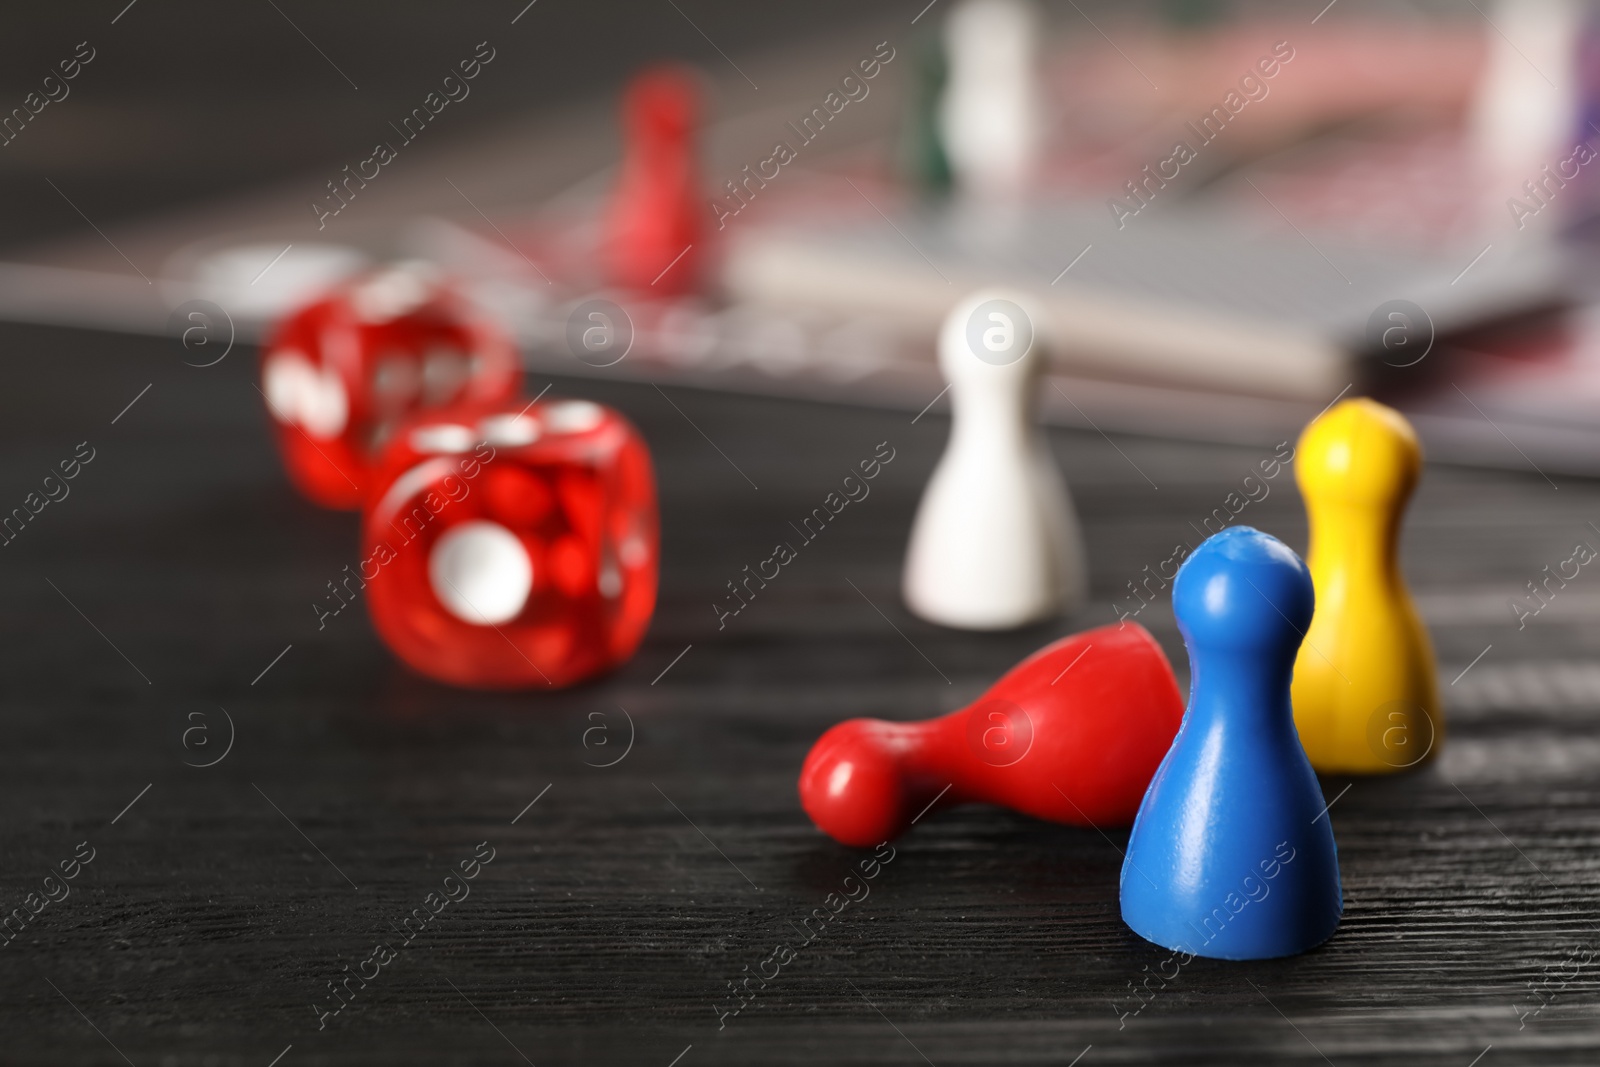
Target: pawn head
(990,337)
(661,104)
(851,783)
(1358,452)
(992,34)
(1246,590)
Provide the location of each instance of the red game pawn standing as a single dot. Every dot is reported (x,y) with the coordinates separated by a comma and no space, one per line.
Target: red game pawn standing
(1072,734)
(515,546)
(654,237)
(339,374)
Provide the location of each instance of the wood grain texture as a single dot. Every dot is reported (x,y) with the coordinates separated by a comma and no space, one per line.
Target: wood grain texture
(620,905)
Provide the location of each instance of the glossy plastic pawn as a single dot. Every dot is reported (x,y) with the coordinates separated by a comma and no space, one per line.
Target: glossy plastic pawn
(1366,691)
(990,112)
(1232,855)
(1072,734)
(995,543)
(655,238)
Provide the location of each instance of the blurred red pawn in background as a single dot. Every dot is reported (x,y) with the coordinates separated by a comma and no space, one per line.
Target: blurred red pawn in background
(655,230)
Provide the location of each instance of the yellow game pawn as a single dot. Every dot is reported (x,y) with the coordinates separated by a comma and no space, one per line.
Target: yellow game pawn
(1366,699)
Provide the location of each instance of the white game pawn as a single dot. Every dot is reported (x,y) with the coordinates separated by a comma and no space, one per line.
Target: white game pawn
(1527,114)
(990,115)
(995,543)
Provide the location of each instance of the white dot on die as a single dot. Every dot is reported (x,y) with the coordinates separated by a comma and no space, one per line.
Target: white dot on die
(633,551)
(396,379)
(573,416)
(609,580)
(509,431)
(297,392)
(444,371)
(444,437)
(286,377)
(481,573)
(324,407)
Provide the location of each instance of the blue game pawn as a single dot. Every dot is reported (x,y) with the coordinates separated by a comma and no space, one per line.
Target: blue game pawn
(1232,854)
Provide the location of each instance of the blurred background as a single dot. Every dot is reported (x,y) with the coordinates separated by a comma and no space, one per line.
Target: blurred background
(1223,217)
(1228,214)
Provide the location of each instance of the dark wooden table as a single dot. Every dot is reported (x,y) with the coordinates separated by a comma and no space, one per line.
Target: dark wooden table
(164,607)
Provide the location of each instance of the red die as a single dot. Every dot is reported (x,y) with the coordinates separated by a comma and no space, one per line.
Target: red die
(513,546)
(342,372)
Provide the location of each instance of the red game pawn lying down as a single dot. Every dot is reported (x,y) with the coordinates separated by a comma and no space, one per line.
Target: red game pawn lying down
(1072,734)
